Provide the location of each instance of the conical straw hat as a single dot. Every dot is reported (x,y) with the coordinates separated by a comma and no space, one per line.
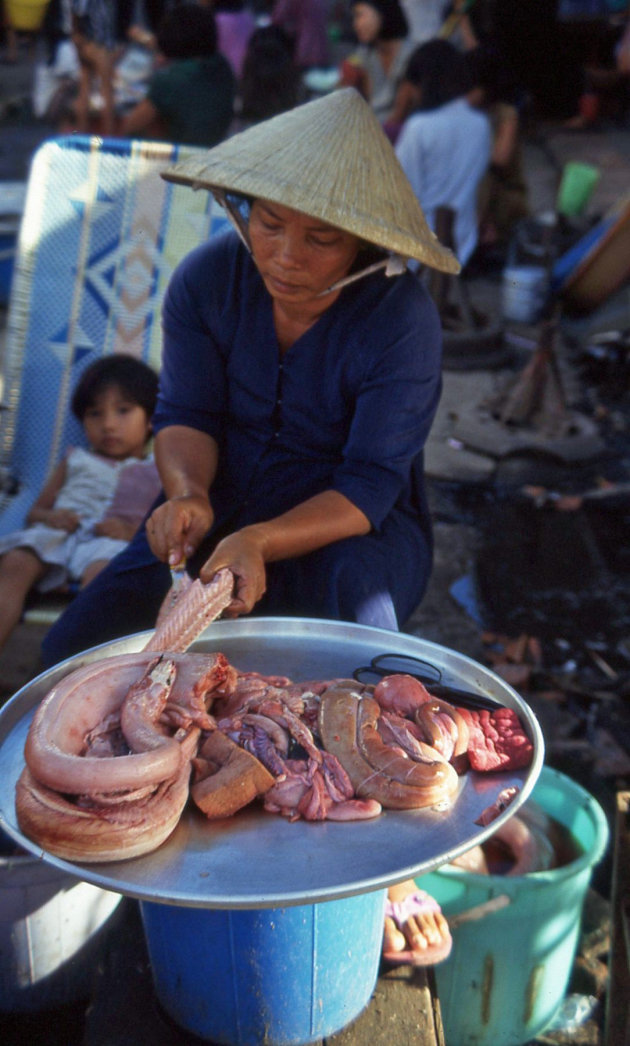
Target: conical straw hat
(329,159)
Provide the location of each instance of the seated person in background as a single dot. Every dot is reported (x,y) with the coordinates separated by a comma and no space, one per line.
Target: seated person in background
(95,499)
(235,25)
(94,37)
(622,50)
(444,146)
(271,82)
(190,97)
(378,64)
(304,22)
(425,18)
(503,196)
(605,80)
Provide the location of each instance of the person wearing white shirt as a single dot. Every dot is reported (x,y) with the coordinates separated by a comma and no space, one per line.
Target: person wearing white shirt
(445,145)
(425,18)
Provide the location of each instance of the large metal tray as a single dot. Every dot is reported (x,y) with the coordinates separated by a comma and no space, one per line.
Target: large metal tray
(260,860)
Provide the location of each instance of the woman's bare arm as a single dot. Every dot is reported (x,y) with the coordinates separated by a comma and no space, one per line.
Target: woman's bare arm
(322,519)
(186,460)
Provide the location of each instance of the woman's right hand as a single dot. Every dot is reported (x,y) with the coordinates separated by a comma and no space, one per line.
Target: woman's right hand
(176,528)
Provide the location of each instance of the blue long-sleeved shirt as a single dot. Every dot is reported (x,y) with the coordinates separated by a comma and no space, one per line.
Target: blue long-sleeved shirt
(347,408)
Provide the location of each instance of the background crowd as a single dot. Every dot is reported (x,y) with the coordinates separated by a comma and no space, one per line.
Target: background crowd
(453,83)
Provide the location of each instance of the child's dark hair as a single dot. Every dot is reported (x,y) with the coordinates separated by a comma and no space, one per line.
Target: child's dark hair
(133,377)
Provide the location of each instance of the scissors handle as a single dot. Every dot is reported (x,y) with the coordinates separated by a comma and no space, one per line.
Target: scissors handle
(465,698)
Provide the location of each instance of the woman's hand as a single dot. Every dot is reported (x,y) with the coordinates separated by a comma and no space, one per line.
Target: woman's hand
(187,462)
(316,522)
(242,552)
(176,528)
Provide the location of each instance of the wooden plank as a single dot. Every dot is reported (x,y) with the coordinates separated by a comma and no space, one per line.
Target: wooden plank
(618,996)
(404,1009)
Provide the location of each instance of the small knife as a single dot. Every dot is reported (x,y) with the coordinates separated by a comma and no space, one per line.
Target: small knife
(178,576)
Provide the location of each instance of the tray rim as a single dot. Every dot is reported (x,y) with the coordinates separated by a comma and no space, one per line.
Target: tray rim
(13,715)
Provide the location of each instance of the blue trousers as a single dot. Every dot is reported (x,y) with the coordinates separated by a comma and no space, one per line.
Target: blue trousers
(376,579)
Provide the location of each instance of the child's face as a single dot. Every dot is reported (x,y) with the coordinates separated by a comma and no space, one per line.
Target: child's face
(115,426)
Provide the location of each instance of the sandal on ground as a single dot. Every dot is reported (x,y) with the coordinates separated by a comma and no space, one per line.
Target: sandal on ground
(419,903)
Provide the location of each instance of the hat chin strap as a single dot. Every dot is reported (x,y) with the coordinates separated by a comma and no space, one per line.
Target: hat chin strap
(394,265)
(235,217)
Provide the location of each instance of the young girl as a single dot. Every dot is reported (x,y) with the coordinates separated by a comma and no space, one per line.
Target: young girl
(95,499)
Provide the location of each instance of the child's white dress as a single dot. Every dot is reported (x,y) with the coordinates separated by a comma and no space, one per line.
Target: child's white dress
(92,490)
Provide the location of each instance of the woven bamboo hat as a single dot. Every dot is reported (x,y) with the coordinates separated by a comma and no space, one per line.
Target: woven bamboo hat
(331,160)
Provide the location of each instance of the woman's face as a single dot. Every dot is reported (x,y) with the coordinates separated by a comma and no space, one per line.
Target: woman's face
(366,22)
(298,257)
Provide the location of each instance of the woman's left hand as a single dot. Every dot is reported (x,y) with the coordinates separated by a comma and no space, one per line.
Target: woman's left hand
(242,554)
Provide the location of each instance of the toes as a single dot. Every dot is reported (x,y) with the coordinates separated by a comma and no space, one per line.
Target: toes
(393,939)
(425,930)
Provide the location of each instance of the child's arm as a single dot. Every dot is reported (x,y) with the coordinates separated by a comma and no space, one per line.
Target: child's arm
(43,510)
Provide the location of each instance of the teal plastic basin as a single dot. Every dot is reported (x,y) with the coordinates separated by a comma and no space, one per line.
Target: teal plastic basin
(508,973)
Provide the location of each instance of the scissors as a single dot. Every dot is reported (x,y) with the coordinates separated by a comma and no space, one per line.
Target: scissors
(430,675)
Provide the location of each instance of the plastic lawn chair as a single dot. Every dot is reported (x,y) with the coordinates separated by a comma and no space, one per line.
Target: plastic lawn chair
(99,238)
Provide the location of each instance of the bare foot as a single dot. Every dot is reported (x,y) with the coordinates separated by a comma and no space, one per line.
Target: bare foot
(416,931)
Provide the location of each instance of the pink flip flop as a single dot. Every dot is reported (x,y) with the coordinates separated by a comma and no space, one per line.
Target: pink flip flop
(416,904)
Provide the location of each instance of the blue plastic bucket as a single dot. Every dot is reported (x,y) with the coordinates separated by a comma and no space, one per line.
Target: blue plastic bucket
(508,972)
(281,976)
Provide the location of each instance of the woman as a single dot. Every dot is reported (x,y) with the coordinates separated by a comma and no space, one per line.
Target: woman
(300,377)
(377,66)
(190,97)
